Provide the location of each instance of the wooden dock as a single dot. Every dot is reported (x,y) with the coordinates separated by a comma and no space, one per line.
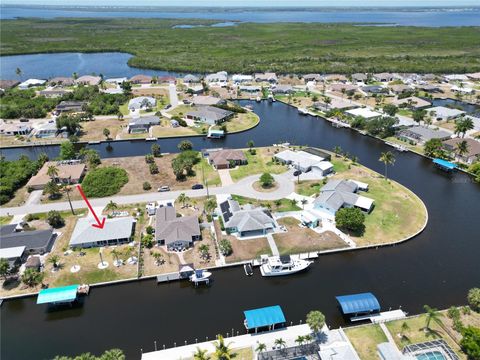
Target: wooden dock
(169,277)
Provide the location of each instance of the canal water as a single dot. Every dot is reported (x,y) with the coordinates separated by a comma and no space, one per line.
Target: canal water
(436,268)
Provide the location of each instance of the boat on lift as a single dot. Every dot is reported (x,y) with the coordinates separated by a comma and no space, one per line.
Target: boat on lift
(282,265)
(200,276)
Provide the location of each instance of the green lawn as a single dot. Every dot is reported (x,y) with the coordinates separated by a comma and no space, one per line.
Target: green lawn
(124,109)
(242,122)
(405,112)
(365,340)
(210,174)
(308,187)
(279,47)
(257,164)
(5,219)
(283,205)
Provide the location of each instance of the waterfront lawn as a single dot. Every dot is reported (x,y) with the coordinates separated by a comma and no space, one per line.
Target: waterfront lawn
(416,148)
(193,255)
(416,332)
(300,239)
(365,340)
(469,319)
(258,164)
(93,130)
(397,212)
(243,249)
(241,122)
(170,262)
(283,205)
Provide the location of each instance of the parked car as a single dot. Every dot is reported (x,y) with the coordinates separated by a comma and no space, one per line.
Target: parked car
(167,107)
(164,188)
(297,173)
(197,187)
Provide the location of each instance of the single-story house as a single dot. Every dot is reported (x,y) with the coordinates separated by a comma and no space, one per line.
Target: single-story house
(116,81)
(141,79)
(374,89)
(312,77)
(142,124)
(223,159)
(283,89)
(35,242)
(359,77)
(246,222)
(337,194)
(61,81)
(116,231)
(266,77)
(191,79)
(12,129)
(304,161)
(210,115)
(420,134)
(473,149)
(456,77)
(142,102)
(383,77)
(400,88)
(430,88)
(88,80)
(240,78)
(322,168)
(250,88)
(343,87)
(463,90)
(206,100)
(69,172)
(474,76)
(412,102)
(441,113)
(335,103)
(46,130)
(364,113)
(336,77)
(14,255)
(8,84)
(195,89)
(219,78)
(52,93)
(175,232)
(31,82)
(70,106)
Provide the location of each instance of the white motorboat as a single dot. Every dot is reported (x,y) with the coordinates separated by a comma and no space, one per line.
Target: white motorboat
(259,99)
(398,147)
(200,276)
(302,111)
(282,265)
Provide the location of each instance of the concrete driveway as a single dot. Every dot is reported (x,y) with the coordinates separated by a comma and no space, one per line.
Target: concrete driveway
(225,177)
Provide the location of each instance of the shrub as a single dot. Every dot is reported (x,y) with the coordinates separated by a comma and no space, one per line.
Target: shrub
(149,229)
(473,298)
(351,219)
(222,225)
(14,174)
(146,186)
(185,145)
(266,180)
(147,241)
(209,218)
(153,168)
(453,313)
(31,217)
(54,219)
(225,247)
(105,181)
(149,159)
(470,342)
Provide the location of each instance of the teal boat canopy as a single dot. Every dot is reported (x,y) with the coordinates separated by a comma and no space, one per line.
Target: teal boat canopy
(267,316)
(57,295)
(447,165)
(358,303)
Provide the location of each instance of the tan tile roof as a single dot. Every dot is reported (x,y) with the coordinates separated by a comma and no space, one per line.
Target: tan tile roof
(65,171)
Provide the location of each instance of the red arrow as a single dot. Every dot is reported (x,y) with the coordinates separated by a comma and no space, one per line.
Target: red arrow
(99,224)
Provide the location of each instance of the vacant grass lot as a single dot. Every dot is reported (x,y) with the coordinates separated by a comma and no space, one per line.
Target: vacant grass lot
(281,205)
(257,164)
(280,47)
(365,340)
(300,240)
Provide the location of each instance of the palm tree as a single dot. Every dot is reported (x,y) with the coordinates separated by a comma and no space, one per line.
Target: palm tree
(201,354)
(463,125)
(404,328)
(54,259)
(388,159)
(111,206)
(308,338)
(250,144)
(462,148)
(51,189)
(106,133)
(431,314)
(261,347)
(303,201)
(337,150)
(182,198)
(280,343)
(52,172)
(158,258)
(300,340)
(115,255)
(204,251)
(293,202)
(67,189)
(315,320)
(18,71)
(210,205)
(222,350)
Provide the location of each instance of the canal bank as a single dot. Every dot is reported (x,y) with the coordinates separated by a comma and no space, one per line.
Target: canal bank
(424,271)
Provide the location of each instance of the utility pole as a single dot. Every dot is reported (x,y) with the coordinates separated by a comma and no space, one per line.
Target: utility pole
(205,182)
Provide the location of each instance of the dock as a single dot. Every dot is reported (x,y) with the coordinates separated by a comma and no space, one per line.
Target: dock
(169,277)
(382,316)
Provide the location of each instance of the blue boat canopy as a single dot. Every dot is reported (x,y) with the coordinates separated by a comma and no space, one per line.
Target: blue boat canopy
(267,316)
(57,295)
(445,164)
(358,303)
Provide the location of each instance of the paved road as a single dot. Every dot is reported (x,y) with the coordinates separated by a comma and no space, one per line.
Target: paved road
(173,95)
(243,188)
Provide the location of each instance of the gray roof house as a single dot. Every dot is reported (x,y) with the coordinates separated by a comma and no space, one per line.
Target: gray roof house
(66,106)
(210,115)
(283,89)
(383,77)
(337,194)
(142,124)
(116,231)
(189,79)
(175,232)
(420,134)
(312,77)
(220,77)
(35,242)
(247,221)
(359,77)
(440,113)
(412,102)
(206,100)
(142,102)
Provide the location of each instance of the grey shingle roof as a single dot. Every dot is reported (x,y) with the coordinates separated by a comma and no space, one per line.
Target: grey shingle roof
(340,185)
(32,240)
(116,228)
(171,228)
(249,220)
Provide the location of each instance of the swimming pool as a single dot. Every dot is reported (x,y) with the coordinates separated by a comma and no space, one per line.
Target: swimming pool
(431,355)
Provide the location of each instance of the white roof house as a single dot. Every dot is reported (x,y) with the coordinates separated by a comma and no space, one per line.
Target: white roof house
(238,78)
(301,160)
(116,231)
(456,77)
(12,252)
(117,81)
(220,77)
(31,82)
(142,102)
(364,112)
(443,113)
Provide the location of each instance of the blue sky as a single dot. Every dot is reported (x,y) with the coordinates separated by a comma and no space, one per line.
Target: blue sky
(225,3)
